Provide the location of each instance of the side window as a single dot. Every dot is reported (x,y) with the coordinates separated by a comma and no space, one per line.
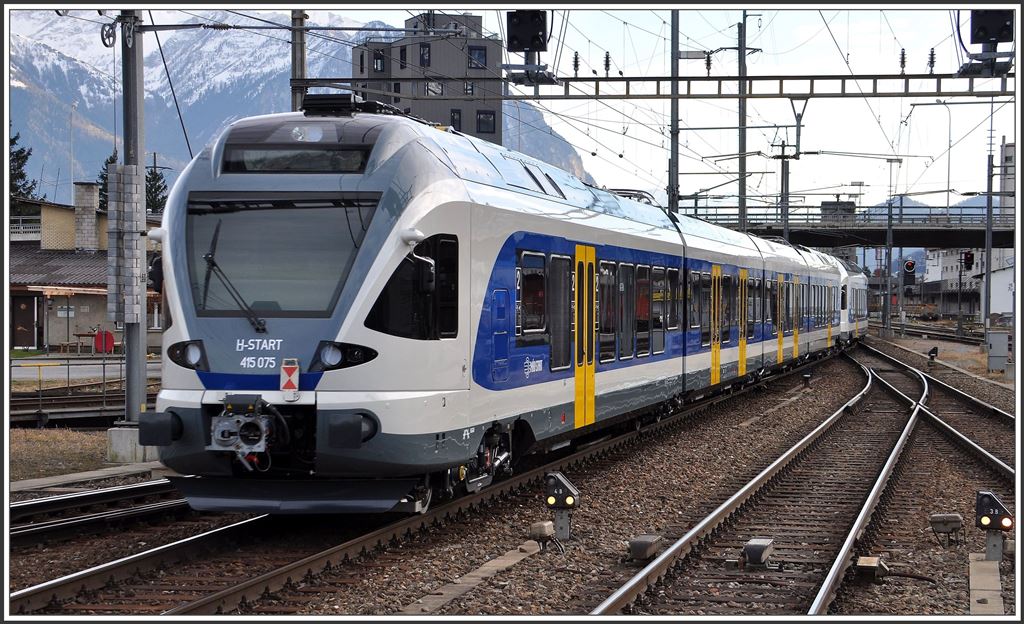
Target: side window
(530,295)
(727,298)
(402,57)
(420,300)
(659,302)
(694,298)
(773,308)
(672,301)
(842,298)
(424,55)
(609,311)
(627,311)
(560,308)
(705,309)
(751,307)
(643,311)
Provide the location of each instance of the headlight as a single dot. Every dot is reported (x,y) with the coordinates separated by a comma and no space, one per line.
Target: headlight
(190,354)
(330,355)
(334,355)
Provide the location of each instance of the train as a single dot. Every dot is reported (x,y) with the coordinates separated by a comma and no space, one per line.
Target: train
(367,313)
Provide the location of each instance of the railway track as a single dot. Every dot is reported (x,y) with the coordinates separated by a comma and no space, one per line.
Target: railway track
(811,502)
(69,515)
(939,333)
(68,409)
(217,571)
(969,421)
(821,485)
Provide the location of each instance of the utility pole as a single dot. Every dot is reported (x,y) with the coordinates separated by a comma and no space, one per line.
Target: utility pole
(785,195)
(135,209)
(673,162)
(298,57)
(959,297)
(742,93)
(887,272)
(987,303)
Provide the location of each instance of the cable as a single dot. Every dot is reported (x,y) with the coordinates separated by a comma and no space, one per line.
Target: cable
(886,18)
(167,72)
(960,36)
(806,41)
(850,69)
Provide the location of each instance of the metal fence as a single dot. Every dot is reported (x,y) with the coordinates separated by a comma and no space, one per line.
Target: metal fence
(912,217)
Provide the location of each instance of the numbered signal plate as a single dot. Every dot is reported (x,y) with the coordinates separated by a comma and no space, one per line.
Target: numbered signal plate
(289,375)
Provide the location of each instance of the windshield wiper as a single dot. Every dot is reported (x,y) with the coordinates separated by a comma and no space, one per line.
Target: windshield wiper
(212,268)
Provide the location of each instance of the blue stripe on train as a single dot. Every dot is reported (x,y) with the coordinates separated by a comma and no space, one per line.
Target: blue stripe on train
(233,381)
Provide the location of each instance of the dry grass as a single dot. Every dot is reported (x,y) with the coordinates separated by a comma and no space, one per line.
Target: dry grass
(29,385)
(48,452)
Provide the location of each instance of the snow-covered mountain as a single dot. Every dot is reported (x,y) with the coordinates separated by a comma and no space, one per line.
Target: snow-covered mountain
(218,76)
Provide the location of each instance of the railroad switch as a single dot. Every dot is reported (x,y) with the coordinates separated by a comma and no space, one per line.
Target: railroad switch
(950,526)
(871,569)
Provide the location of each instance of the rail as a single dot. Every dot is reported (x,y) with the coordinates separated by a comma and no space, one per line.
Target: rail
(658,568)
(39,596)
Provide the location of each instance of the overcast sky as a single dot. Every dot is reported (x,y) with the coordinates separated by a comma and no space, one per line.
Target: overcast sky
(795,41)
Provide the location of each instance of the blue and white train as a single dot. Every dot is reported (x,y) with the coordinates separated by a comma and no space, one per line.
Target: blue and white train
(366,311)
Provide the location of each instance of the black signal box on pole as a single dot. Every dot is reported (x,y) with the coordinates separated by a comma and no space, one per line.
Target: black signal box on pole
(527,31)
(991,26)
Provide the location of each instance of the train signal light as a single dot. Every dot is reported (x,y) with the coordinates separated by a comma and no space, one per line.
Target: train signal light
(527,31)
(968,260)
(991,26)
(990,512)
(910,266)
(559,493)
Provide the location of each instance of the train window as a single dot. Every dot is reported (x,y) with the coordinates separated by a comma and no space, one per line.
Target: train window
(672,303)
(409,307)
(726,310)
(643,311)
(659,301)
(580,322)
(608,312)
(560,309)
(294,159)
(589,325)
(530,291)
(694,298)
(705,309)
(787,310)
(758,301)
(627,311)
(771,307)
(751,308)
(842,298)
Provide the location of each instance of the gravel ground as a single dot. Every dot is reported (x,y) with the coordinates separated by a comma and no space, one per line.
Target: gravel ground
(31,565)
(936,478)
(1001,397)
(664,485)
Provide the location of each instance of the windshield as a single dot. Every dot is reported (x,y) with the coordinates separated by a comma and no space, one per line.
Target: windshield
(286,256)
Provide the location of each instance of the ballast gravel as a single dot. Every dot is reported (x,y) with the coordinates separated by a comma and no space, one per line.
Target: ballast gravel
(664,484)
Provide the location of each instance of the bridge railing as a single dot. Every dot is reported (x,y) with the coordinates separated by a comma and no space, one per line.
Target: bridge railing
(1003,218)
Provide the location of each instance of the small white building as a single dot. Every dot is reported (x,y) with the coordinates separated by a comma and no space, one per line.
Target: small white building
(1003,289)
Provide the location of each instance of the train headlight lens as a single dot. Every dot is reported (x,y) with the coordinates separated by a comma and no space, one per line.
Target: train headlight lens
(330,355)
(1007,522)
(190,354)
(193,354)
(985,520)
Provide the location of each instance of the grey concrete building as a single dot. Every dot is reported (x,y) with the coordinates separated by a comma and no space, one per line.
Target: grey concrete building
(421,65)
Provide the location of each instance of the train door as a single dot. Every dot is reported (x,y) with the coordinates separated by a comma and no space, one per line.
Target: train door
(744,312)
(716,324)
(586,318)
(499,326)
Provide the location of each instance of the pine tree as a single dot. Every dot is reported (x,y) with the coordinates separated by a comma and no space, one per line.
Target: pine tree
(21,185)
(102,179)
(156,191)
